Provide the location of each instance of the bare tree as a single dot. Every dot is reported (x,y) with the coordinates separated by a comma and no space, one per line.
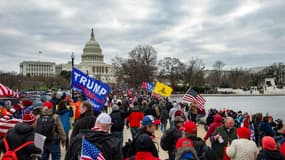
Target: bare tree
(171,70)
(138,67)
(194,72)
(217,74)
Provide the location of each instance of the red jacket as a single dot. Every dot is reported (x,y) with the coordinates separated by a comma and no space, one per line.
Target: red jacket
(218,121)
(135,119)
(145,156)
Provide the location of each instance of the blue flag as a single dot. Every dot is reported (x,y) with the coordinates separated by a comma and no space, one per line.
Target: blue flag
(94,90)
(149,86)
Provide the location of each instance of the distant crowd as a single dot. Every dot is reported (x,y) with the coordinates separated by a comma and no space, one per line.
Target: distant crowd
(70,122)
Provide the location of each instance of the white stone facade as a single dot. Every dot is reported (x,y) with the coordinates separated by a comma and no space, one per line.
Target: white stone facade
(37,68)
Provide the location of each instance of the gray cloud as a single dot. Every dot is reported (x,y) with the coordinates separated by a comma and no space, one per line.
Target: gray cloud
(240,33)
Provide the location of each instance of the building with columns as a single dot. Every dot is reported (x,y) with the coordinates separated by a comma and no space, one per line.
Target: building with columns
(92,62)
(37,68)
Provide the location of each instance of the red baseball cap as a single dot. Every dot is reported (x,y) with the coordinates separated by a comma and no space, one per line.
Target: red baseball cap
(189,127)
(48,104)
(184,142)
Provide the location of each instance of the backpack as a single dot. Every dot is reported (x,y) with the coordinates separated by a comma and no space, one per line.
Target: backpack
(165,142)
(117,122)
(45,126)
(11,155)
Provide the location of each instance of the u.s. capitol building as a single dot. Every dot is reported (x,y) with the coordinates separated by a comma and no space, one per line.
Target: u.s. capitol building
(92,62)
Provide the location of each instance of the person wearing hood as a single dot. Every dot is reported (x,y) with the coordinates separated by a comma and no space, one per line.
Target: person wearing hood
(49,125)
(100,137)
(144,145)
(170,137)
(218,121)
(86,119)
(118,119)
(20,134)
(269,150)
(172,114)
(65,114)
(237,149)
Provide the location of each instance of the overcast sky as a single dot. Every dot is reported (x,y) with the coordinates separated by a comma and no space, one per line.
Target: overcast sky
(243,33)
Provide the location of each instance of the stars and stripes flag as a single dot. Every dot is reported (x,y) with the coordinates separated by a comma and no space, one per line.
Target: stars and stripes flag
(7,92)
(192,96)
(90,151)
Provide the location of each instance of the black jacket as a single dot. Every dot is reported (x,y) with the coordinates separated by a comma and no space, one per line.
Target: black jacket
(17,136)
(108,145)
(152,148)
(118,118)
(270,155)
(85,121)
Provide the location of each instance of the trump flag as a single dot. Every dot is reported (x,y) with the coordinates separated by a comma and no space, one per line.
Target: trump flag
(94,90)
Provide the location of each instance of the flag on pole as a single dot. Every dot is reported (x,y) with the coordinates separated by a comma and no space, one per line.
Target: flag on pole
(192,96)
(90,151)
(148,86)
(162,89)
(7,92)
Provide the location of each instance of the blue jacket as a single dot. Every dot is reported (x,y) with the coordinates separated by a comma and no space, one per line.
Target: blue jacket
(266,129)
(65,115)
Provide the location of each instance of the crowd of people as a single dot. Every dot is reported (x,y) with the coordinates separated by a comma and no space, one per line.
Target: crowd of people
(72,124)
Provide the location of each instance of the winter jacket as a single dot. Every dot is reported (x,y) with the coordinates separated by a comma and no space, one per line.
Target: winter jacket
(270,155)
(163,115)
(265,129)
(118,118)
(227,137)
(17,136)
(145,156)
(218,121)
(65,115)
(58,131)
(171,136)
(142,133)
(200,147)
(183,150)
(242,149)
(85,121)
(76,106)
(135,119)
(108,145)
(150,111)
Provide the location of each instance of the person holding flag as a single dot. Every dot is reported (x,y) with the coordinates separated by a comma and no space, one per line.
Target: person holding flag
(96,143)
(197,102)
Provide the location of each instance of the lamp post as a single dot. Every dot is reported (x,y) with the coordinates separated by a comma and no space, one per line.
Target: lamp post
(72,65)
(72,59)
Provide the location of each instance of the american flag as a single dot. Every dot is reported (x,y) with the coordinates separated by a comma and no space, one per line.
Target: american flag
(7,92)
(193,97)
(90,151)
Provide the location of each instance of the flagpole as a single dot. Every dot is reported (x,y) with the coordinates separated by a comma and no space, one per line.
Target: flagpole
(186,92)
(83,137)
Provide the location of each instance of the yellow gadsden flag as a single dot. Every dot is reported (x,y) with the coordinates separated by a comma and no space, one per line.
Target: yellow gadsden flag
(162,89)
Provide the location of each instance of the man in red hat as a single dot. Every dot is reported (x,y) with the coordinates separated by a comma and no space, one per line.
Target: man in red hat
(202,150)
(237,149)
(49,125)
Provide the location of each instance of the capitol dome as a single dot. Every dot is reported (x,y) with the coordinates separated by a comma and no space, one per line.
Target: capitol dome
(92,51)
